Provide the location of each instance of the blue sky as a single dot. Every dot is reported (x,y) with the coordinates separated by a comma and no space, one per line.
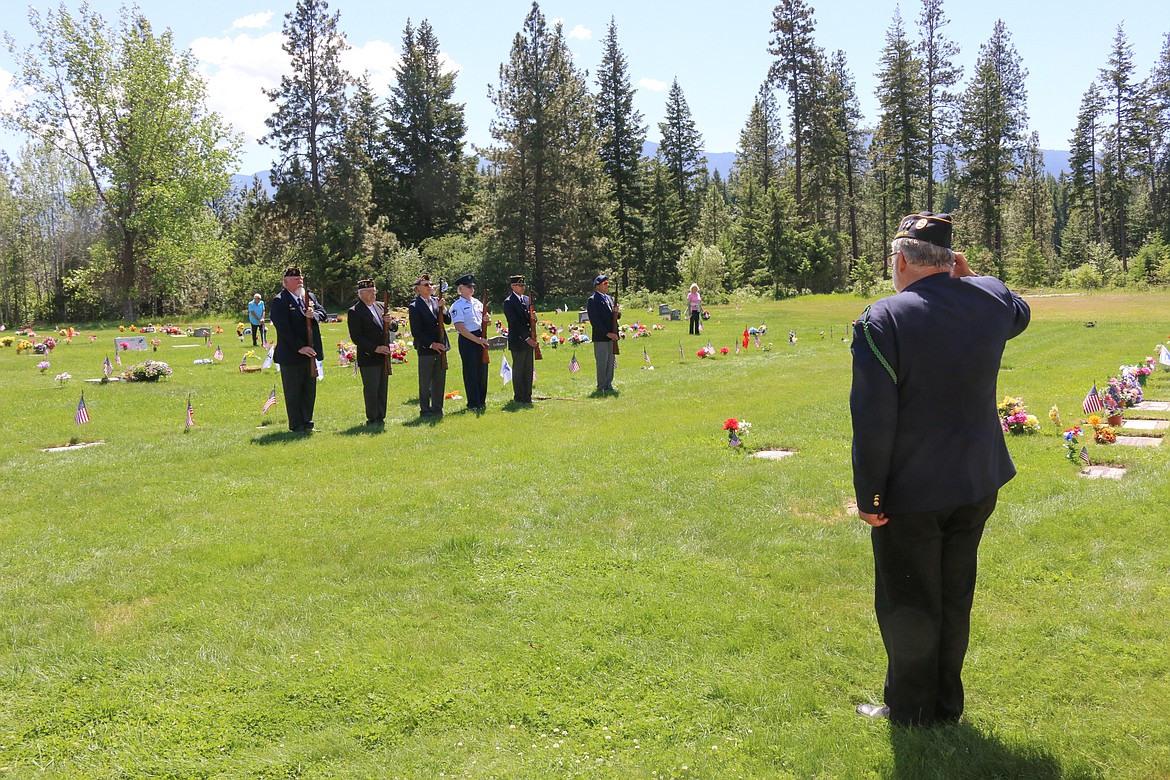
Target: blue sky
(717,51)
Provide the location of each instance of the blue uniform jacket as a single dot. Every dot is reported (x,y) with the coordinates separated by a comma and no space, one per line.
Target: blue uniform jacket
(519,324)
(933,440)
(288,318)
(424,326)
(600,308)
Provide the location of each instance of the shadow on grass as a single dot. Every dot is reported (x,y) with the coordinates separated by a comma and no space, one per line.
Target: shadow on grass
(278,437)
(963,751)
(429,420)
(363,430)
(605,394)
(516,406)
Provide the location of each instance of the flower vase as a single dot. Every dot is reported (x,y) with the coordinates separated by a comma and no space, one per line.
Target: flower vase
(1114,420)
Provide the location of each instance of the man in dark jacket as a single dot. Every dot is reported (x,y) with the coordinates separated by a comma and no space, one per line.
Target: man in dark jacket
(298,347)
(929,458)
(521,340)
(367,320)
(430,340)
(604,336)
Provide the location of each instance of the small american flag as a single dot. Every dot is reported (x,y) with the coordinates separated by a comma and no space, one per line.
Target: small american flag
(574,366)
(218,353)
(1085,456)
(680,352)
(190,414)
(243,363)
(737,347)
(733,440)
(107,366)
(270,402)
(757,339)
(118,358)
(82,414)
(645,355)
(1092,403)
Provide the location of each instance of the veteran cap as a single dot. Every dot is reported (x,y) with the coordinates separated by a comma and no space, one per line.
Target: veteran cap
(466,279)
(293,270)
(599,279)
(365,284)
(516,279)
(422,278)
(926,226)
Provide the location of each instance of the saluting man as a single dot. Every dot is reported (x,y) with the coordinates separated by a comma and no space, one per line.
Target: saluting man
(601,307)
(468,317)
(929,458)
(366,331)
(297,348)
(521,340)
(430,341)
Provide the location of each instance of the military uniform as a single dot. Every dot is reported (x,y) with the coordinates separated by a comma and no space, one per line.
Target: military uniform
(519,331)
(287,314)
(470,312)
(929,455)
(600,309)
(367,333)
(426,331)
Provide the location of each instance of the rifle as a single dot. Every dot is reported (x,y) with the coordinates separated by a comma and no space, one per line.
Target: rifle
(532,329)
(309,334)
(386,332)
(483,328)
(439,325)
(616,349)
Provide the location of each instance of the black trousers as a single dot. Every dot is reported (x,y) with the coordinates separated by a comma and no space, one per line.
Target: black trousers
(475,372)
(375,382)
(924,566)
(694,324)
(523,360)
(300,394)
(432,383)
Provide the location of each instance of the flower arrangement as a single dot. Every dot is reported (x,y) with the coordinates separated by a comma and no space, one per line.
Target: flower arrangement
(50,343)
(43,366)
(6,341)
(1015,418)
(92,338)
(121,328)
(154,343)
(346,352)
(1070,443)
(124,345)
(1104,434)
(736,430)
(62,378)
(240,328)
(23,345)
(1054,415)
(398,351)
(149,371)
(724,351)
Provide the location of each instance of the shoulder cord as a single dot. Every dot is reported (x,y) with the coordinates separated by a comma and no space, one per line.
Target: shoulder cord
(873,347)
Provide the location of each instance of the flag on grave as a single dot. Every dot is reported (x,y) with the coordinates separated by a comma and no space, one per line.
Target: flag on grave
(82,414)
(270,402)
(1092,403)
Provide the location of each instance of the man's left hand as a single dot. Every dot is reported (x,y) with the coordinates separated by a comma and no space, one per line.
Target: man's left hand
(874,520)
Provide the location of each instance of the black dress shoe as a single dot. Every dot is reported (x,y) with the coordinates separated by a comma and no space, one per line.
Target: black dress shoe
(874,711)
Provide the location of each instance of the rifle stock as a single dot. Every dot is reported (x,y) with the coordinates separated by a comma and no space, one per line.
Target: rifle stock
(616,349)
(439,326)
(532,330)
(309,336)
(386,332)
(483,328)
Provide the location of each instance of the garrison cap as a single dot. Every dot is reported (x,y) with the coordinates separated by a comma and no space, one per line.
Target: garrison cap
(365,284)
(422,278)
(293,270)
(599,279)
(925,226)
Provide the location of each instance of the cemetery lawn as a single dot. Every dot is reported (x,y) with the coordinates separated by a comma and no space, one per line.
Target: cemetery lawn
(590,587)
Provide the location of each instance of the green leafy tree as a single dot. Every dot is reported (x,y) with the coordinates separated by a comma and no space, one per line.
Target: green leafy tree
(1028,265)
(796,70)
(1124,143)
(681,152)
(1084,184)
(901,137)
(940,74)
(665,225)
(760,155)
(129,108)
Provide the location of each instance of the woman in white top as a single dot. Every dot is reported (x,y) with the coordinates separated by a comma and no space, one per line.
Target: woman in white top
(695,306)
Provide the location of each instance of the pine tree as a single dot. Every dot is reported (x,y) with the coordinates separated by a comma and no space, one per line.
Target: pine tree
(665,226)
(845,111)
(623,135)
(548,192)
(1159,140)
(795,70)
(901,136)
(1084,185)
(760,156)
(1124,142)
(428,192)
(940,74)
(990,137)
(681,152)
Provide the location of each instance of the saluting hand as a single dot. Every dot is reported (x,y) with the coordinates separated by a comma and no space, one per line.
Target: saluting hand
(961,268)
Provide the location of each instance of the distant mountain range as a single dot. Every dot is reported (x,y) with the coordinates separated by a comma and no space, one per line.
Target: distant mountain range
(1055,163)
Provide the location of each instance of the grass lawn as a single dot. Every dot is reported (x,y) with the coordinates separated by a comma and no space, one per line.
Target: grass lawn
(590,587)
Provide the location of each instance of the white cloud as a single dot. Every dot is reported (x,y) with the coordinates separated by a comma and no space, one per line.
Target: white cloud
(654,85)
(377,57)
(580,33)
(8,94)
(257,21)
(237,70)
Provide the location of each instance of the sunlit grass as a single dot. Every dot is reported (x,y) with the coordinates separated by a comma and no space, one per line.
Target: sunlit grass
(588,587)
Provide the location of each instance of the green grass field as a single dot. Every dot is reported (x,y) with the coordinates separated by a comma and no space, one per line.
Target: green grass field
(591,587)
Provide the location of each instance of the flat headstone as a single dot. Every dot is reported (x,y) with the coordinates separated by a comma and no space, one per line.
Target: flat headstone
(1140,441)
(1146,425)
(1153,406)
(187,346)
(98,381)
(772,454)
(1102,472)
(72,447)
(130,342)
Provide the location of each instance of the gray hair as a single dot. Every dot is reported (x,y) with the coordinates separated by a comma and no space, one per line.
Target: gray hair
(923,253)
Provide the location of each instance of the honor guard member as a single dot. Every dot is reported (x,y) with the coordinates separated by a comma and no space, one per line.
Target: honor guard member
(297,348)
(929,458)
(469,319)
(430,341)
(366,321)
(521,340)
(601,310)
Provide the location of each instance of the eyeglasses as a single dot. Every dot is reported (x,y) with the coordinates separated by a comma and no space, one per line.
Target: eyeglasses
(890,258)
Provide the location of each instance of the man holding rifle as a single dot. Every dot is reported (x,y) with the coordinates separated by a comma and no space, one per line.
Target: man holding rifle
(370,326)
(427,319)
(603,316)
(296,315)
(521,340)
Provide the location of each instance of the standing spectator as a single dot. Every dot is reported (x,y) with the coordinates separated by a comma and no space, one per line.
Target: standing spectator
(256,319)
(929,458)
(470,321)
(695,307)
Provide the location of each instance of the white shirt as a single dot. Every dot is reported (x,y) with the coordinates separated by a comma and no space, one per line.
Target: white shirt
(469,312)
